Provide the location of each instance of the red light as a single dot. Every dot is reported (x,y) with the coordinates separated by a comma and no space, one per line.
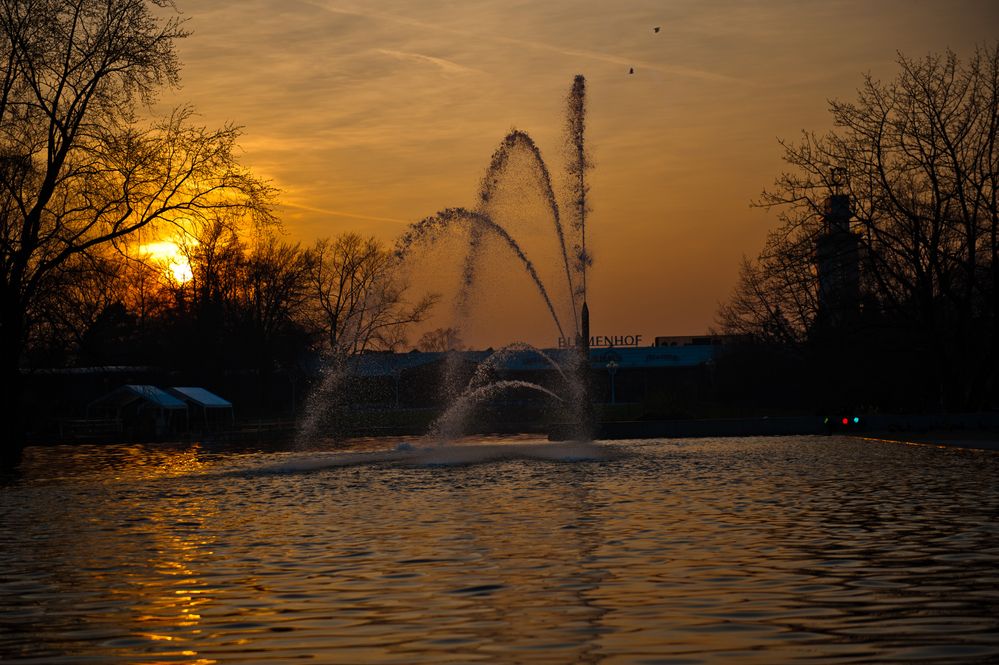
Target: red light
(846,421)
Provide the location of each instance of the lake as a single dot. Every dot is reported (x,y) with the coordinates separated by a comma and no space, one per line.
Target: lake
(756,550)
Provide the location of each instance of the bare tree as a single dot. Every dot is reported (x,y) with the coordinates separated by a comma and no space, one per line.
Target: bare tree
(440,340)
(77,169)
(216,255)
(276,285)
(770,305)
(921,163)
(71,301)
(360,300)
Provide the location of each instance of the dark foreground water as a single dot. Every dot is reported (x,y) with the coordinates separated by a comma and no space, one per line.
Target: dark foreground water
(707,551)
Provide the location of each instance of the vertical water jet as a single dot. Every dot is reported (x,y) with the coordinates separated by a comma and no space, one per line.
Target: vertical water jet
(577,164)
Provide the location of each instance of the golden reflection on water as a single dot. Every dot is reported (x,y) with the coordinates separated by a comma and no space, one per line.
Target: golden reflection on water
(754,551)
(167,604)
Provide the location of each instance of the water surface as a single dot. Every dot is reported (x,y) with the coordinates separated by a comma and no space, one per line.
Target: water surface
(757,550)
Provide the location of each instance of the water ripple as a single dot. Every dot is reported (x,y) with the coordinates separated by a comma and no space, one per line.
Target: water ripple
(759,550)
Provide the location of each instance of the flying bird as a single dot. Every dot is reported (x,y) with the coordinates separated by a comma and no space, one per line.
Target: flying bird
(631,71)
(655,29)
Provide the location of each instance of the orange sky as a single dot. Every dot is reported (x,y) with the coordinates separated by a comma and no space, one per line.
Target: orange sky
(370,115)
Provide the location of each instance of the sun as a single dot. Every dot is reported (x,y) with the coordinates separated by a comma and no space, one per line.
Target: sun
(168,255)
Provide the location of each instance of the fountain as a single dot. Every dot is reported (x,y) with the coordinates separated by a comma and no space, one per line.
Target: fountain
(574,256)
(486,222)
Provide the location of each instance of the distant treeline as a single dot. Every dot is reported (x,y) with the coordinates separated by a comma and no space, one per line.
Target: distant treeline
(257,304)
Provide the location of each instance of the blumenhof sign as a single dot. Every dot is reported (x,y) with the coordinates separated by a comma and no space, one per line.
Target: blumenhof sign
(598,341)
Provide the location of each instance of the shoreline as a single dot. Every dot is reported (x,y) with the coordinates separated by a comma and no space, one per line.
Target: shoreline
(971,431)
(968,440)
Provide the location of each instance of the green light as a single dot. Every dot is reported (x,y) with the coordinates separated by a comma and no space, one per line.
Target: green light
(856,419)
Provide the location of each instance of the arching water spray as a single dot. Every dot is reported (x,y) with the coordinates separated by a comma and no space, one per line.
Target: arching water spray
(323,402)
(451,424)
(497,167)
(430,228)
(484,371)
(576,263)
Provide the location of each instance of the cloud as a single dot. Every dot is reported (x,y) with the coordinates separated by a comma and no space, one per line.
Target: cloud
(478,37)
(445,65)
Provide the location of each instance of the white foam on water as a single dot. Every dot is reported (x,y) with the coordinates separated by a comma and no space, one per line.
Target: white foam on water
(408,454)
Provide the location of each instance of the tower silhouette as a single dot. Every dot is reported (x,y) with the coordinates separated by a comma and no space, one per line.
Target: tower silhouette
(837,262)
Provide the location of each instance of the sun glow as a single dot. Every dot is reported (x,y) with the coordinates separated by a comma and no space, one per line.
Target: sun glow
(168,255)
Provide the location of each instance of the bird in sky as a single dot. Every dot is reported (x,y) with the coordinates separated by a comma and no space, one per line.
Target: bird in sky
(655,29)
(631,71)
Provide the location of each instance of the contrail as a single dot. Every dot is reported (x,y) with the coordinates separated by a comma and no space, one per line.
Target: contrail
(688,72)
(344,213)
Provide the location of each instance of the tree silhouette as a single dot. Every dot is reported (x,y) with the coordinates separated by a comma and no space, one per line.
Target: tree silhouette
(78,169)
(917,157)
(359,297)
(440,340)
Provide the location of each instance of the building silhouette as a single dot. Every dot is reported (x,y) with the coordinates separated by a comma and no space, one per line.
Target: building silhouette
(837,262)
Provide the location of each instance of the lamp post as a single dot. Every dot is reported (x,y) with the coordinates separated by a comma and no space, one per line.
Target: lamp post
(612,370)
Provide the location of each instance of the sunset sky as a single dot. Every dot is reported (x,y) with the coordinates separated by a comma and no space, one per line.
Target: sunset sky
(372,115)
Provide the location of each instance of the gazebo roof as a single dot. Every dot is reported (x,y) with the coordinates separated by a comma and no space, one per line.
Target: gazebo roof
(128,394)
(201,397)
